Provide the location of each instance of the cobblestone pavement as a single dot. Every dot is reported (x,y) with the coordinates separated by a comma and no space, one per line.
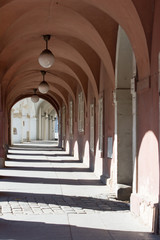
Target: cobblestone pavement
(50,191)
(18,204)
(52,170)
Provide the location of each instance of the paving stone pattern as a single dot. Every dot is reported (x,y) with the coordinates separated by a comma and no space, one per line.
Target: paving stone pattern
(19,202)
(46,194)
(59,205)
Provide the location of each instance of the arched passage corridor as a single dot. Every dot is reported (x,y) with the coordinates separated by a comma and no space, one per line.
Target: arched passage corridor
(33,121)
(103,85)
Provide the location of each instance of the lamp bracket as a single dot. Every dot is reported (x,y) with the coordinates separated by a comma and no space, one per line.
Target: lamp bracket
(35,90)
(43,72)
(46,37)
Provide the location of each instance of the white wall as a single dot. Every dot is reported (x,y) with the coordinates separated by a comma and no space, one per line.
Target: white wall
(23,121)
(32,121)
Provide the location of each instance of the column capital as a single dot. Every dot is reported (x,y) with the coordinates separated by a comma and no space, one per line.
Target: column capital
(144,84)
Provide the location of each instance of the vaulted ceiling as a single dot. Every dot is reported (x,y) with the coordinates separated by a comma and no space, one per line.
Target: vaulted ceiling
(83,34)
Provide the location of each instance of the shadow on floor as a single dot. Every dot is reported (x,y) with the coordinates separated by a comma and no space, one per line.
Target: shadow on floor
(51,180)
(91,203)
(47,153)
(44,161)
(27,230)
(34,148)
(50,169)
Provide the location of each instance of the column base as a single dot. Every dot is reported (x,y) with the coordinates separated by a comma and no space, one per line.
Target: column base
(104,179)
(2,163)
(124,192)
(147,210)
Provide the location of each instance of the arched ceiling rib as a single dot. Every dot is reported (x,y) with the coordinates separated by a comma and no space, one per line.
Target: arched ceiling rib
(59,25)
(61,92)
(125,13)
(53,81)
(46,107)
(84,34)
(16,96)
(61,49)
(52,101)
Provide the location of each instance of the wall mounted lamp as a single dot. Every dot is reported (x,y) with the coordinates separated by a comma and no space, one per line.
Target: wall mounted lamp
(46,58)
(43,86)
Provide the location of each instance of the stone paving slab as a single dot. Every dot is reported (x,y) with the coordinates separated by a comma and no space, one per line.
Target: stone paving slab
(54,204)
(32,227)
(53,199)
(70,227)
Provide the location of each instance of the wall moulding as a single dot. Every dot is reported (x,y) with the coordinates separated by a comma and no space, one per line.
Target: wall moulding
(144,85)
(146,209)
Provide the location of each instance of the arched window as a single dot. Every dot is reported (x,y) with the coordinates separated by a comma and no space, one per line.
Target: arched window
(81,112)
(63,121)
(71,118)
(100,124)
(92,127)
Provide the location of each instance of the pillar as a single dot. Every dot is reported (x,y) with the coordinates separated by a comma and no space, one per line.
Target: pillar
(22,129)
(134,135)
(43,127)
(40,124)
(124,134)
(60,129)
(46,128)
(2,145)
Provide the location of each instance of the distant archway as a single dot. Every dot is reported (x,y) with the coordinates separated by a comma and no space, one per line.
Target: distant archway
(33,121)
(125,118)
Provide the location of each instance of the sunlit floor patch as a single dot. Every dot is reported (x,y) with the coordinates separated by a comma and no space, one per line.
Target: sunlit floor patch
(58,197)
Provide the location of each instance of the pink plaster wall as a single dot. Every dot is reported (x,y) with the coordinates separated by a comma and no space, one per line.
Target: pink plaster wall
(148,124)
(96,163)
(106,87)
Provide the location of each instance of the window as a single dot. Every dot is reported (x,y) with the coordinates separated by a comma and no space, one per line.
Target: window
(71,117)
(80,112)
(92,127)
(59,123)
(100,124)
(63,121)
(14,131)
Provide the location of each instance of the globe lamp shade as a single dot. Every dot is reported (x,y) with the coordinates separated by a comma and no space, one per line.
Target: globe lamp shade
(35,98)
(43,87)
(46,58)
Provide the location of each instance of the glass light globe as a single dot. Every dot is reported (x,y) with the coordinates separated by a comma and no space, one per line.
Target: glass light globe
(35,98)
(43,87)
(46,58)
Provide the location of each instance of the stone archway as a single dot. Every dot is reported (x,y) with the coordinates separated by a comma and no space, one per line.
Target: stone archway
(32,121)
(125,117)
